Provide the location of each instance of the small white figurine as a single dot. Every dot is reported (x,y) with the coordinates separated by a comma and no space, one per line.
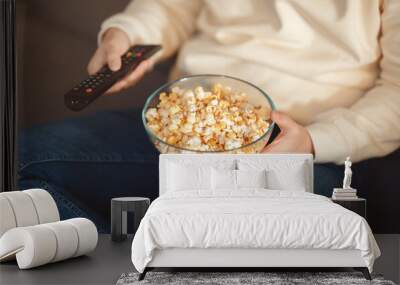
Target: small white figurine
(347,192)
(347,174)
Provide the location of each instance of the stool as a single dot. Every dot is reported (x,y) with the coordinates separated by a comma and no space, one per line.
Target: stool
(119,209)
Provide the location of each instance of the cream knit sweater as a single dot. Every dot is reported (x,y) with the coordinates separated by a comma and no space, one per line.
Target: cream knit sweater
(334,66)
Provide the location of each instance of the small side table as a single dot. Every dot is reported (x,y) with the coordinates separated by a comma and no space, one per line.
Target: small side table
(119,209)
(357,205)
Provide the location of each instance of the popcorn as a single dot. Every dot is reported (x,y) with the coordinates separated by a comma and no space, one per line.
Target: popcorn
(174,109)
(187,128)
(200,94)
(209,109)
(192,107)
(172,139)
(191,118)
(163,113)
(194,142)
(239,129)
(228,122)
(173,127)
(208,131)
(210,120)
(200,120)
(204,147)
(152,114)
(214,102)
(221,139)
(154,127)
(177,90)
(188,95)
(232,143)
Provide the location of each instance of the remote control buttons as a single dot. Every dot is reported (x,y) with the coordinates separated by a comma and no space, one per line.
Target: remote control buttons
(132,54)
(88,90)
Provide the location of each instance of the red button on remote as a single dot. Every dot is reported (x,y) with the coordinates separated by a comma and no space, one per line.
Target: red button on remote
(89,90)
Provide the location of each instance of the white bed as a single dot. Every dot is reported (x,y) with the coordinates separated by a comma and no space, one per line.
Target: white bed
(201,226)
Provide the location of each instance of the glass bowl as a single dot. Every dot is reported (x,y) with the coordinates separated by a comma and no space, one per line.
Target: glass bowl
(255,96)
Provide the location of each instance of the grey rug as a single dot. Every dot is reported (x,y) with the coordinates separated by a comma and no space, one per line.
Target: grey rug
(269,278)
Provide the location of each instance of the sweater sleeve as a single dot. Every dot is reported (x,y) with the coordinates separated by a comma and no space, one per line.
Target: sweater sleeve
(370,127)
(165,22)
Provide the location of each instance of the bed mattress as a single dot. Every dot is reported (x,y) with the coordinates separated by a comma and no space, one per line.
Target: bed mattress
(251,219)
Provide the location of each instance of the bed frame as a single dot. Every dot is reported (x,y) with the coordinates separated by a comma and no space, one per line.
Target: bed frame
(241,259)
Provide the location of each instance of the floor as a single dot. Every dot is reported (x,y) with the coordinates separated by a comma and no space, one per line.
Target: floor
(110,260)
(103,266)
(389,262)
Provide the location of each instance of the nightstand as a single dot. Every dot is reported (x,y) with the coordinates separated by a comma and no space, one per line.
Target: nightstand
(119,210)
(357,205)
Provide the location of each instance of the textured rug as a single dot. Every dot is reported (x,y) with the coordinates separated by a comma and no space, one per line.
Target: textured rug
(244,278)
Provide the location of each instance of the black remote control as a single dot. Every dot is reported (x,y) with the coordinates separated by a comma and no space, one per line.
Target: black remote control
(97,84)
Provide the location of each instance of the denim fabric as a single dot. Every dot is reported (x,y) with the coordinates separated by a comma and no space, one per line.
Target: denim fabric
(91,159)
(84,162)
(67,206)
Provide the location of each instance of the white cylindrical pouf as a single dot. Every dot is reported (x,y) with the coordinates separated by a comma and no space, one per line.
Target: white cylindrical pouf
(87,234)
(7,218)
(40,244)
(45,205)
(34,245)
(23,208)
(67,239)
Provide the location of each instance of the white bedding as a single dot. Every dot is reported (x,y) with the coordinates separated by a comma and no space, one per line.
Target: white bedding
(250,218)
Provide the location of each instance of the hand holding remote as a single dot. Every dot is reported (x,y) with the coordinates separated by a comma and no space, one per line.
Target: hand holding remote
(114,44)
(97,84)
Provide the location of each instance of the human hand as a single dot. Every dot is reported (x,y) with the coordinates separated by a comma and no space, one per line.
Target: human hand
(293,137)
(113,45)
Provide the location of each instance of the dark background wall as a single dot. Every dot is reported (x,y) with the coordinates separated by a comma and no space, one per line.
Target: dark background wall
(56,39)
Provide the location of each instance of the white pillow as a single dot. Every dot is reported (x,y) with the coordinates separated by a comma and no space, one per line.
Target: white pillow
(281,174)
(235,179)
(223,179)
(251,178)
(183,177)
(293,180)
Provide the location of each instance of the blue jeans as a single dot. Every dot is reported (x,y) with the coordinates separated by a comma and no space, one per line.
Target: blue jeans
(84,162)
